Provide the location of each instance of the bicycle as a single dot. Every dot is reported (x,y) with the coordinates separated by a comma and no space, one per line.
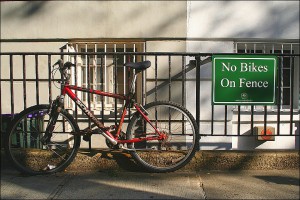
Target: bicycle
(43,139)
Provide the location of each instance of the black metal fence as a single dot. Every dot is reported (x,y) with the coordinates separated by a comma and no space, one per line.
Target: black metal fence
(26,79)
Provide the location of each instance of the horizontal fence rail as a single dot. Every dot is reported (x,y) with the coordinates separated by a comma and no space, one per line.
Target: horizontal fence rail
(185,78)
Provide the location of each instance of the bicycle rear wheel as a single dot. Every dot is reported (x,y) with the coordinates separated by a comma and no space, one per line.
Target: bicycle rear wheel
(171,153)
(29,155)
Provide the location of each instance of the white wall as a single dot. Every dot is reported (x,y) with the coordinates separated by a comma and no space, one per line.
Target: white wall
(208,26)
(92,19)
(215,142)
(217,25)
(149,19)
(243,19)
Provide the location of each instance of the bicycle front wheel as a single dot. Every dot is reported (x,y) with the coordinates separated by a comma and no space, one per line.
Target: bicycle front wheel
(180,144)
(26,151)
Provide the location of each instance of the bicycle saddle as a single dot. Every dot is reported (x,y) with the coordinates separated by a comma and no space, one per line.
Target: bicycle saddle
(138,65)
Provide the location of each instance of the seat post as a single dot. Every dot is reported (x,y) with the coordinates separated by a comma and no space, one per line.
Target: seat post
(132,86)
(137,67)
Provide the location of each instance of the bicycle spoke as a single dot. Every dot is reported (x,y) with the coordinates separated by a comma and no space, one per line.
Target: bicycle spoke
(180,138)
(27,151)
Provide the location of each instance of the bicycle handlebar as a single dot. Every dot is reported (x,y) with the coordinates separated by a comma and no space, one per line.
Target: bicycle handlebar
(63,68)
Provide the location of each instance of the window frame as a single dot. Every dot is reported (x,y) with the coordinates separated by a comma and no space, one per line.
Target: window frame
(276,48)
(107,83)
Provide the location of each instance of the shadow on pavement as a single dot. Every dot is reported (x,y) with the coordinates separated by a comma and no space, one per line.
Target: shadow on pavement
(280,179)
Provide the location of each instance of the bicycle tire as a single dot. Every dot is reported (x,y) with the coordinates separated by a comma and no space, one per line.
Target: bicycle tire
(174,152)
(28,154)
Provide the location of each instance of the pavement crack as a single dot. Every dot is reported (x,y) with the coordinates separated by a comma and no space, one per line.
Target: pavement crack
(58,190)
(201,185)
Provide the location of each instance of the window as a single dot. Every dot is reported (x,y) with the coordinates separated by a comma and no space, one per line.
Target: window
(105,72)
(285,64)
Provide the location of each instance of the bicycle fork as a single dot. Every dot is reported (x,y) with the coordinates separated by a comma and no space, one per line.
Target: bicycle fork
(54,111)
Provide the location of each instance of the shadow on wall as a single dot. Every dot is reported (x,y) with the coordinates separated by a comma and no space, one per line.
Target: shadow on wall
(109,18)
(237,19)
(28,9)
(215,145)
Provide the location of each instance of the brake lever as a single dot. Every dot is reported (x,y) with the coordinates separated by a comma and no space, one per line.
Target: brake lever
(59,62)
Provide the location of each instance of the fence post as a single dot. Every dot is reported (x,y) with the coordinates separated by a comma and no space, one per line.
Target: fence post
(198,64)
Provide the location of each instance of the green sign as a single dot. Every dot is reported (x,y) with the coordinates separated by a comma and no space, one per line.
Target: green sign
(244,79)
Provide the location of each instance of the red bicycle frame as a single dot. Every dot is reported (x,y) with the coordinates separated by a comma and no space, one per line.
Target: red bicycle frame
(67,89)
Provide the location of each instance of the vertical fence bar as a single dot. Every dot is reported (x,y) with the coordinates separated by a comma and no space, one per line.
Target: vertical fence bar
(143,100)
(291,93)
(144,79)
(239,120)
(1,120)
(265,107)
(281,74)
(105,73)
(183,79)
(212,119)
(135,60)
(198,64)
(89,96)
(37,79)
(225,122)
(170,86)
(101,88)
(49,79)
(76,82)
(155,78)
(115,82)
(252,119)
(156,88)
(24,82)
(128,86)
(124,70)
(95,76)
(86,72)
(265,120)
(11,85)
(279,78)
(134,50)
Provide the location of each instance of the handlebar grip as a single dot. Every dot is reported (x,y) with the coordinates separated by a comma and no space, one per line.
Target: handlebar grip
(68,65)
(59,62)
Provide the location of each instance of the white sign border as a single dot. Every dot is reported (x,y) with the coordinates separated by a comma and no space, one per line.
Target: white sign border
(248,102)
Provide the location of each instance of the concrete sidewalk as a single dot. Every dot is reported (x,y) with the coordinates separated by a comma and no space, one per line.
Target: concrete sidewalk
(122,184)
(113,175)
(108,184)
(250,184)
